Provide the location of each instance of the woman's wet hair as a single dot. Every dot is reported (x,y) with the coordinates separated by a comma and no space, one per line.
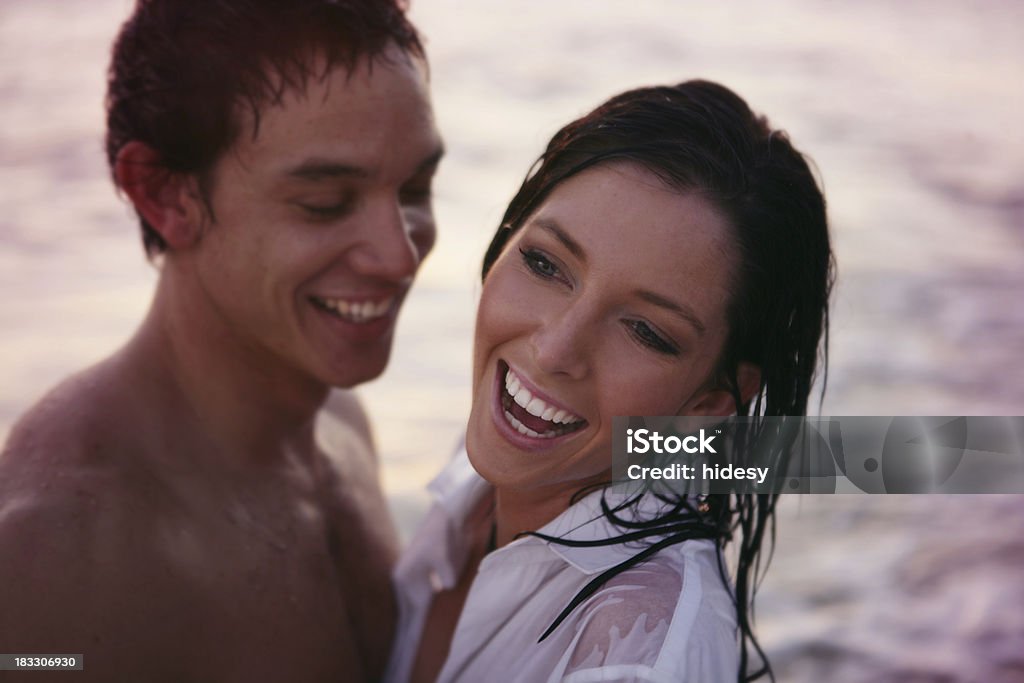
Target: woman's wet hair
(184,73)
(699,137)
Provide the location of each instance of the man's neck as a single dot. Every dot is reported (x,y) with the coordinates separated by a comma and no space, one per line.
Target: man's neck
(238,400)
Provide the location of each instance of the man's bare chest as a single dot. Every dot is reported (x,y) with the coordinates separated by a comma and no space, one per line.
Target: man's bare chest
(308,590)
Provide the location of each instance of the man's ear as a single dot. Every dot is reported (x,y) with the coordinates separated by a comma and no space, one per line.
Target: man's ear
(168,201)
(719,401)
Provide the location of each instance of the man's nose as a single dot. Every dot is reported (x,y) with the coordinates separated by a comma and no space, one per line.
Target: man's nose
(563,343)
(392,243)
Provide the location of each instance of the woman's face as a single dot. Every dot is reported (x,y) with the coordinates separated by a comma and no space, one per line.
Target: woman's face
(610,300)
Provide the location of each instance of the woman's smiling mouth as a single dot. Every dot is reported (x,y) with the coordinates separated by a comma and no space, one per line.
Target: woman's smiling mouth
(530,415)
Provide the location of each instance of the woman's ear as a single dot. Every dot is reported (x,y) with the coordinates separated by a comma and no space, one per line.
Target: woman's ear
(169,202)
(749,377)
(719,401)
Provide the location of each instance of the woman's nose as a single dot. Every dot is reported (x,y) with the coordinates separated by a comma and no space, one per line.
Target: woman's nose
(563,343)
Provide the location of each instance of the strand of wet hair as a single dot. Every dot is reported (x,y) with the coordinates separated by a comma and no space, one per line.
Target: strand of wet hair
(594,584)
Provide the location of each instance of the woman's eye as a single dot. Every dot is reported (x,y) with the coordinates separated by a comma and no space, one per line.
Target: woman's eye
(648,337)
(539,263)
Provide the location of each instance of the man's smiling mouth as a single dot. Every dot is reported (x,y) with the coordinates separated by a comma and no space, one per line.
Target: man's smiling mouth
(355,311)
(531,415)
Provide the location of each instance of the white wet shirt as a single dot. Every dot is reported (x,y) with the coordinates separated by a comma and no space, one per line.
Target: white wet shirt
(667,620)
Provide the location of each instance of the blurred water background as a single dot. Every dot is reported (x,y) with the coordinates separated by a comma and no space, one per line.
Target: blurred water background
(912,112)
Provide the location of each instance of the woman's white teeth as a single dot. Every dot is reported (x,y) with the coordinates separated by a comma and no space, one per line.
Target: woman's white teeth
(522,397)
(535,405)
(358,311)
(526,431)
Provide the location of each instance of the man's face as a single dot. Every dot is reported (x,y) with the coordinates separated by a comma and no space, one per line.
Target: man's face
(320,220)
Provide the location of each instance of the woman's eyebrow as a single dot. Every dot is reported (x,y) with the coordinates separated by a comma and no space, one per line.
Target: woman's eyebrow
(680,310)
(683,311)
(556,230)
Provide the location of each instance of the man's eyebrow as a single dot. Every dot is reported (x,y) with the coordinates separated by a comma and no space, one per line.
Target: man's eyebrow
(431,161)
(684,312)
(556,230)
(320,169)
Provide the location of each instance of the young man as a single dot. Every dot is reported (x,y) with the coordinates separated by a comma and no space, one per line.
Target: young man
(168,513)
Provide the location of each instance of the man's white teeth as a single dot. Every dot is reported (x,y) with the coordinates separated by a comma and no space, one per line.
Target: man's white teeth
(358,311)
(535,405)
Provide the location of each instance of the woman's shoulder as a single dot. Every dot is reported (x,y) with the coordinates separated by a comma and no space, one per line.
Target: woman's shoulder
(669,618)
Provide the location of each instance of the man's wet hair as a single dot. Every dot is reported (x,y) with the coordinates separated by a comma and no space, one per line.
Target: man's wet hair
(184,72)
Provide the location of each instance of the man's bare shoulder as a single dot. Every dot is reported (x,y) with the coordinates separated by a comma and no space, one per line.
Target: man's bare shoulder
(64,590)
(68,521)
(51,531)
(80,422)
(64,455)
(56,466)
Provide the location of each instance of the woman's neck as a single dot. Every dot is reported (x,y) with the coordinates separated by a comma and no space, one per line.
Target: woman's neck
(521,510)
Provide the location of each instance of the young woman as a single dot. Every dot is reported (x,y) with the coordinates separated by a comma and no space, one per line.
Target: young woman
(668,255)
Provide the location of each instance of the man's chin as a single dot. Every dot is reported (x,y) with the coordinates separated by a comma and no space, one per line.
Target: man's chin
(361,369)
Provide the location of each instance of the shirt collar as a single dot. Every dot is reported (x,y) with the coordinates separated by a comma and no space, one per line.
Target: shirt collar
(458,487)
(585,521)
